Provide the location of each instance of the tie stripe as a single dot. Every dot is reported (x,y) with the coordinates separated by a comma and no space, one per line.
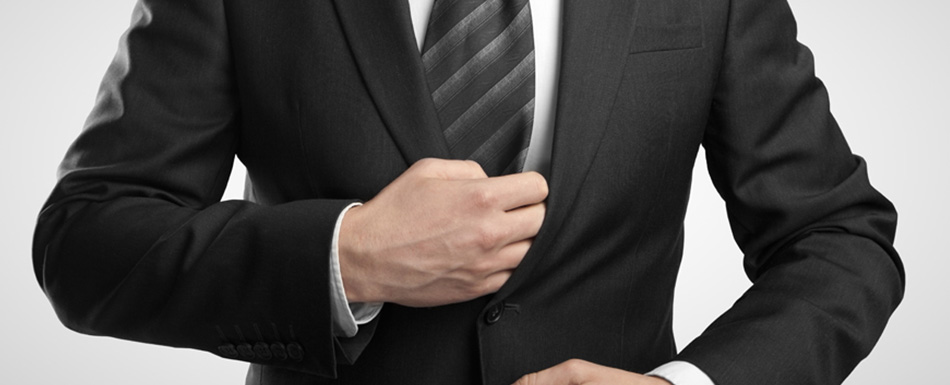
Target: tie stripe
(484,58)
(463,29)
(479,61)
(439,9)
(492,152)
(495,96)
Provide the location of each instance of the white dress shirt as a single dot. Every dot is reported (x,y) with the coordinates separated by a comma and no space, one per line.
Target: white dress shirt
(546,21)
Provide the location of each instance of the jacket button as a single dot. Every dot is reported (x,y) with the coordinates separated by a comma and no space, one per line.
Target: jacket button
(279,351)
(262,351)
(246,351)
(228,350)
(295,351)
(494,314)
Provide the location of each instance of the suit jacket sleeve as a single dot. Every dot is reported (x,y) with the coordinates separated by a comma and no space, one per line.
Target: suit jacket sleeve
(816,236)
(134,243)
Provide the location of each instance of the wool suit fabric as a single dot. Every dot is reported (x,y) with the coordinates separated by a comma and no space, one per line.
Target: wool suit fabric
(325,102)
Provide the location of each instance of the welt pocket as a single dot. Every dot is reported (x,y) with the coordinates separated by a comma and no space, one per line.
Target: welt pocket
(652,38)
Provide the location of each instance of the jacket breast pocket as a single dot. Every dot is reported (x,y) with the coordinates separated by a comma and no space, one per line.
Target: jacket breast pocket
(667,25)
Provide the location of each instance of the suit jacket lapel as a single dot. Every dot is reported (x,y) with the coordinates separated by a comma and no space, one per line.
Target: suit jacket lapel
(381,37)
(594,40)
(594,44)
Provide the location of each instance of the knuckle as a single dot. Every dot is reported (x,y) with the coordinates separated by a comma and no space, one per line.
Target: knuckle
(487,237)
(474,165)
(574,365)
(480,267)
(422,167)
(486,286)
(425,163)
(483,197)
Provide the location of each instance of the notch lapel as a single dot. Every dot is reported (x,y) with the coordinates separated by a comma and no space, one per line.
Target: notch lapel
(594,39)
(381,37)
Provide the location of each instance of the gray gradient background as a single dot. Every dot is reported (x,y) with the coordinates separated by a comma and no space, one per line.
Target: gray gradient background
(886,64)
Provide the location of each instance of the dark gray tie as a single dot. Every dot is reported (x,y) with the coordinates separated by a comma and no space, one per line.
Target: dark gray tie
(479,62)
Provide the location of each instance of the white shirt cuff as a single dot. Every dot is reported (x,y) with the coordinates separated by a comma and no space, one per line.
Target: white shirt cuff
(346,316)
(681,373)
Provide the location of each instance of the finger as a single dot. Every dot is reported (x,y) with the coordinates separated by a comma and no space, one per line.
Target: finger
(450,169)
(560,374)
(522,223)
(577,371)
(510,256)
(512,191)
(494,282)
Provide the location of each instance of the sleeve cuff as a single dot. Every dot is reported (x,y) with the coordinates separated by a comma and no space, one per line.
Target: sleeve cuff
(346,316)
(681,373)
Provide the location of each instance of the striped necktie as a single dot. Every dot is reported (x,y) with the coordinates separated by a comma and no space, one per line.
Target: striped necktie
(479,62)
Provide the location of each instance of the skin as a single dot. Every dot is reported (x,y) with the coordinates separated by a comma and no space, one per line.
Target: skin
(444,232)
(580,372)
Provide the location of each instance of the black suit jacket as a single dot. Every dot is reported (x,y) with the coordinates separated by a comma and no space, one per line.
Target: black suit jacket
(325,103)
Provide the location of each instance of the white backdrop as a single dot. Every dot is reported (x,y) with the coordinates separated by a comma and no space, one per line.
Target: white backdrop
(885,64)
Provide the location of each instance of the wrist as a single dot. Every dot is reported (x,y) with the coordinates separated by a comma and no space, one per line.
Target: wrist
(349,253)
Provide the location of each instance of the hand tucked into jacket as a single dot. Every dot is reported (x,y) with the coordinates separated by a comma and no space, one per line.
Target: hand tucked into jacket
(580,372)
